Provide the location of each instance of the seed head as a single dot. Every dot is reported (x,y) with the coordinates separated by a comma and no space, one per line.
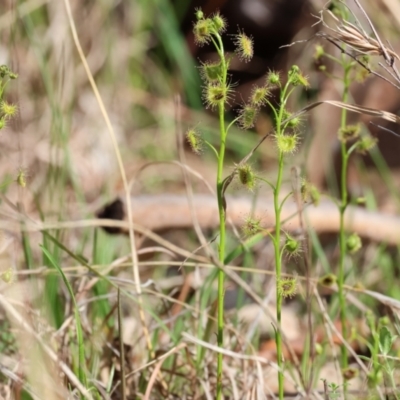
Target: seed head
(244,46)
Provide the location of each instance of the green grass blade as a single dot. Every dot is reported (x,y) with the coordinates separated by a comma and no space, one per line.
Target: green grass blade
(79,333)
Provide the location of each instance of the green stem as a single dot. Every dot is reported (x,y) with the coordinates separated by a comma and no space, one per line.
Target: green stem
(221,253)
(342,210)
(277,242)
(278,271)
(222,232)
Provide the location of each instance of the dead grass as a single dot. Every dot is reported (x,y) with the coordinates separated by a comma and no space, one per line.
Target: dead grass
(75,152)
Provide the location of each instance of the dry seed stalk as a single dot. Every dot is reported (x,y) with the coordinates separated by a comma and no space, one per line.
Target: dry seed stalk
(360,41)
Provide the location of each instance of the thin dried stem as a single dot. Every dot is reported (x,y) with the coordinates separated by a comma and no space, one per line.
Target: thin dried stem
(135,267)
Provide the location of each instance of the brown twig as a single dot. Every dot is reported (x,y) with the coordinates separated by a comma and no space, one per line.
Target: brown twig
(161,212)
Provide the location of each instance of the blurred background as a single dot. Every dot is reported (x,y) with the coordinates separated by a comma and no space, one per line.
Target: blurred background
(142,55)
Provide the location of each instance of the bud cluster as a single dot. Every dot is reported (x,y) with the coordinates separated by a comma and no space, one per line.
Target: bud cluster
(287,142)
(217,90)
(363,143)
(249,111)
(296,78)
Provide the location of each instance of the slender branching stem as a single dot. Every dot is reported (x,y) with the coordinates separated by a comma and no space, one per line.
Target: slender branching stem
(342,210)
(222,230)
(277,242)
(278,271)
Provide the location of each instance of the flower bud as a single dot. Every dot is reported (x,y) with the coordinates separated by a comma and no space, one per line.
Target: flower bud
(349,373)
(365,144)
(294,122)
(353,243)
(319,52)
(247,176)
(8,275)
(219,23)
(195,141)
(309,193)
(296,78)
(287,287)
(273,78)
(260,95)
(287,143)
(215,94)
(251,226)
(7,109)
(244,46)
(328,280)
(202,31)
(4,71)
(292,246)
(211,72)
(349,132)
(199,14)
(248,114)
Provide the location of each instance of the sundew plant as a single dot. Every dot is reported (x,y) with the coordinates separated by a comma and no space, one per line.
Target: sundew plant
(274,95)
(286,138)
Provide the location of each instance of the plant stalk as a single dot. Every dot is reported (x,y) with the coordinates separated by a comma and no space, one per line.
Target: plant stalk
(222,230)
(278,271)
(342,232)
